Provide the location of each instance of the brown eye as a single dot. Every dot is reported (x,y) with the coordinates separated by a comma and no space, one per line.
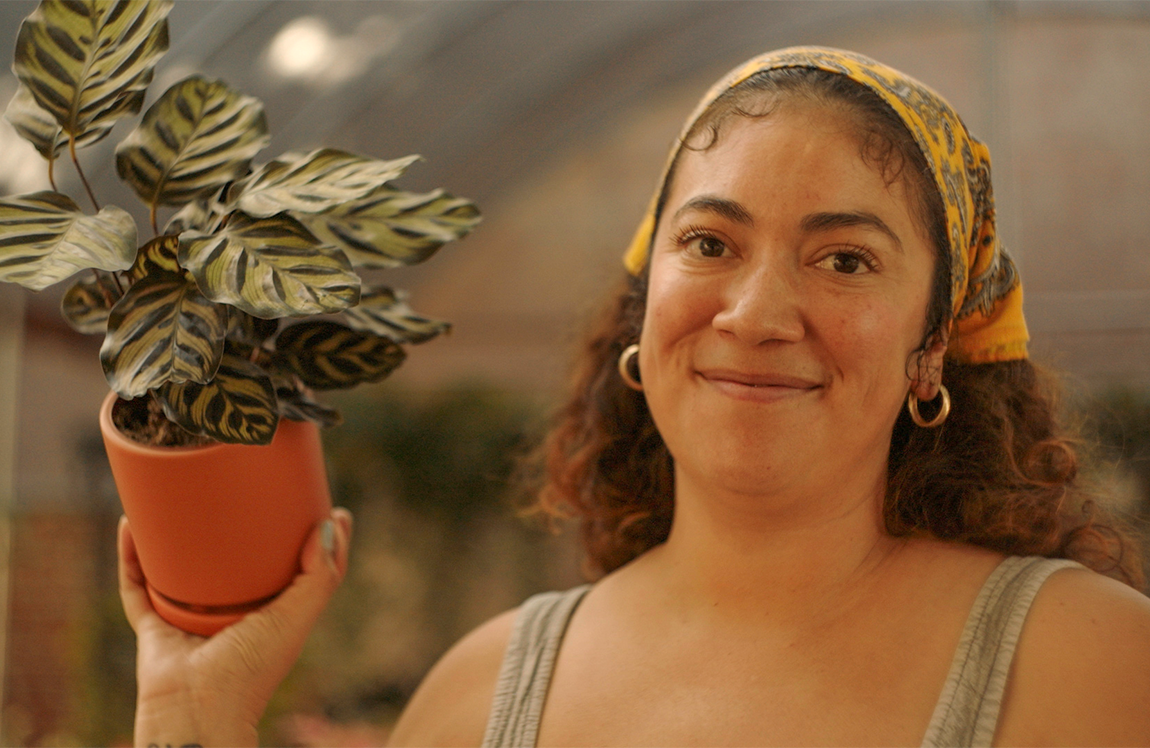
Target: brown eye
(709,246)
(845,263)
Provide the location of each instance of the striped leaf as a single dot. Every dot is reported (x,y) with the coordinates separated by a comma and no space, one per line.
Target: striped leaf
(385,312)
(39,128)
(162,330)
(194,139)
(44,238)
(390,228)
(329,356)
(35,125)
(249,330)
(295,402)
(157,256)
(199,215)
(313,182)
(87,303)
(88,62)
(237,407)
(269,267)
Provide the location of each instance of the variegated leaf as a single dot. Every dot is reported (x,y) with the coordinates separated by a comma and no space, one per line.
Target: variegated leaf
(44,238)
(269,267)
(87,303)
(162,330)
(157,256)
(198,215)
(296,403)
(40,128)
(390,227)
(385,312)
(237,407)
(328,356)
(250,330)
(313,182)
(194,139)
(89,62)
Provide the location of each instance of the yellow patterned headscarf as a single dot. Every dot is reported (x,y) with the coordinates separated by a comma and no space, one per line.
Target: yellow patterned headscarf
(987,323)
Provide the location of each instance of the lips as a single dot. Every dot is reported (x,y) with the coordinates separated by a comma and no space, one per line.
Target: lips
(758,385)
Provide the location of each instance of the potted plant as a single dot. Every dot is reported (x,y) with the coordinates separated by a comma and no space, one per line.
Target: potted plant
(207,348)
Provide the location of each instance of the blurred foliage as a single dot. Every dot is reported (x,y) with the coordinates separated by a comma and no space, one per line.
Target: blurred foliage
(1120,421)
(448,454)
(1116,424)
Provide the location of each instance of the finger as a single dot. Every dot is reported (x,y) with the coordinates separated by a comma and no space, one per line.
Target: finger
(279,629)
(345,521)
(133,594)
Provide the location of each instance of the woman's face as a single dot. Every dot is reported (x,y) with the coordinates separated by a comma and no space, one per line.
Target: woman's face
(788,291)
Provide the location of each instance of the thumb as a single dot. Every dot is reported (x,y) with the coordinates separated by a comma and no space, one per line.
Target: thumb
(272,637)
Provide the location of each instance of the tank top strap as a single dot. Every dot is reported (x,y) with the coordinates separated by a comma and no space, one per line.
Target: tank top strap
(967,711)
(527,666)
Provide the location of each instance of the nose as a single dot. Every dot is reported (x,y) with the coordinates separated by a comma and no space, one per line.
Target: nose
(761,304)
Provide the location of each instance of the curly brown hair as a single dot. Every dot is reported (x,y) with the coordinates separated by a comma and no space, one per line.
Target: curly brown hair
(1000,473)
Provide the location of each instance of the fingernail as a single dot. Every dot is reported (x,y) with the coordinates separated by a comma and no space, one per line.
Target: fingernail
(327,536)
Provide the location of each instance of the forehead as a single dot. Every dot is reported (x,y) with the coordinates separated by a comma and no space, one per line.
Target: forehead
(798,152)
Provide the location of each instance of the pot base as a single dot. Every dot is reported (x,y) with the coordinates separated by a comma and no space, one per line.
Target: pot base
(199,619)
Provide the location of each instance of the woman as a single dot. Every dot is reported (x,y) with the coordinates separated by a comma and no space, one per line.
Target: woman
(825,517)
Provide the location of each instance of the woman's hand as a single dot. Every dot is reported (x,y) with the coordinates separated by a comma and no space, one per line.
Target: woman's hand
(197,691)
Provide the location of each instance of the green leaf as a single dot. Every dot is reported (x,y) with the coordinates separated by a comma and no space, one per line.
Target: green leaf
(313,182)
(162,330)
(89,62)
(385,312)
(86,304)
(194,139)
(44,238)
(391,228)
(269,267)
(237,407)
(328,356)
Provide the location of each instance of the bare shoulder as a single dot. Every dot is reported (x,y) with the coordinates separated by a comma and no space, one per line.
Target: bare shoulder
(1081,674)
(451,705)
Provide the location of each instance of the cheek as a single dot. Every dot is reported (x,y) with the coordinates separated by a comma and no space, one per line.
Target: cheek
(872,338)
(676,307)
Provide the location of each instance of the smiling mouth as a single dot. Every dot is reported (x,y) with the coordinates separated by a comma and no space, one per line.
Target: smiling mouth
(758,386)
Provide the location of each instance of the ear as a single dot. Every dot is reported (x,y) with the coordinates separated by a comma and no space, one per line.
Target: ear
(928,374)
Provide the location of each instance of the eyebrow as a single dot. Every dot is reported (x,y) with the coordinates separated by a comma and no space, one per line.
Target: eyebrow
(728,209)
(828,221)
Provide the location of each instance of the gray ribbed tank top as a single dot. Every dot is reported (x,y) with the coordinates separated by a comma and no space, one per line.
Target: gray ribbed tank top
(966,713)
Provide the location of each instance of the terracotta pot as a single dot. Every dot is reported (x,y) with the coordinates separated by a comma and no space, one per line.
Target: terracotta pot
(219,528)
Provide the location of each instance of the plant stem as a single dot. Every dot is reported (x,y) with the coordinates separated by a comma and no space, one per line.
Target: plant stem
(152,216)
(52,173)
(87,187)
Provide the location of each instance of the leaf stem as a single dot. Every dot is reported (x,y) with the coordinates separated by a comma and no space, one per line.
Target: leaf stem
(52,172)
(76,161)
(152,217)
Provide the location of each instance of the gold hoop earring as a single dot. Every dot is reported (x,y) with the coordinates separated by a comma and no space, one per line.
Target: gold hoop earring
(943,409)
(625,357)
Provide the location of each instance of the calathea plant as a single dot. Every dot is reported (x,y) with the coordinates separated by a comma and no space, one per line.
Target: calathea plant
(200,322)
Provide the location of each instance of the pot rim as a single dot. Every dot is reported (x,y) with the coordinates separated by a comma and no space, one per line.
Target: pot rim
(111,431)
